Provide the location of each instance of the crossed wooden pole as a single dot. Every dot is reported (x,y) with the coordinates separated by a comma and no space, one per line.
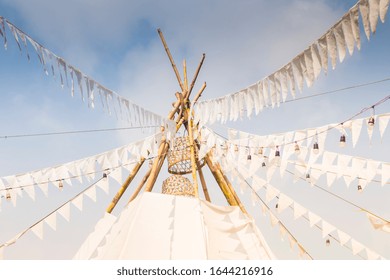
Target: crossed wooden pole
(183,116)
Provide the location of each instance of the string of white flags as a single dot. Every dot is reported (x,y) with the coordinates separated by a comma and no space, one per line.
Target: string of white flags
(63,211)
(307,160)
(127,156)
(304,68)
(283,202)
(89,89)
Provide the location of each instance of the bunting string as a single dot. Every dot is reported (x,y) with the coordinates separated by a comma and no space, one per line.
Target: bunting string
(284,201)
(89,89)
(11,186)
(37,227)
(304,68)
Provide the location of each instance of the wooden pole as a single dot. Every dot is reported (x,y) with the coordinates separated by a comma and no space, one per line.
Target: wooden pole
(140,185)
(221,182)
(193,157)
(124,186)
(170,59)
(224,184)
(203,182)
(196,74)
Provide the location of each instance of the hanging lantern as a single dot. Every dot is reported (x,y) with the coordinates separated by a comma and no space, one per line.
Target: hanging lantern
(260,151)
(308,176)
(359,188)
(342,141)
(178,185)
(297,150)
(104,176)
(327,242)
(315,148)
(263,164)
(371,122)
(249,157)
(60,184)
(277,153)
(277,205)
(179,156)
(8,195)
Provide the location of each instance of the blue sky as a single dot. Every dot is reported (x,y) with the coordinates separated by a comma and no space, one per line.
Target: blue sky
(116,43)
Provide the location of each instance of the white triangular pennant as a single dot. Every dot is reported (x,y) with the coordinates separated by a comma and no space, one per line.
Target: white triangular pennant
(313,218)
(383,121)
(383,7)
(78,202)
(357,247)
(299,210)
(64,211)
(363,7)
(38,230)
(354,17)
(284,202)
(327,228)
(273,219)
(271,193)
(340,41)
(356,128)
(51,221)
(374,14)
(91,193)
(343,237)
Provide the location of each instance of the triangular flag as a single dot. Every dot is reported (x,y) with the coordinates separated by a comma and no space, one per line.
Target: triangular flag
(356,128)
(273,219)
(271,193)
(354,17)
(340,40)
(64,211)
(292,240)
(51,221)
(332,48)
(326,228)
(343,237)
(374,14)
(348,180)
(330,178)
(383,122)
(91,193)
(313,218)
(299,210)
(284,202)
(348,34)
(383,7)
(378,223)
(363,6)
(357,247)
(78,202)
(385,173)
(371,255)
(38,230)
(282,231)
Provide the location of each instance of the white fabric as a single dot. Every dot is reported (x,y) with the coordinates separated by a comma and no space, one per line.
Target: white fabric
(94,239)
(383,7)
(374,14)
(157,226)
(354,16)
(363,7)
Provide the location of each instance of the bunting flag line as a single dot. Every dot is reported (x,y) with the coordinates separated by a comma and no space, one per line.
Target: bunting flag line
(308,135)
(304,68)
(327,229)
(12,187)
(64,210)
(89,89)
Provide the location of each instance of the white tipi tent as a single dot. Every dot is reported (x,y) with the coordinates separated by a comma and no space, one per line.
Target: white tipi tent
(175,225)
